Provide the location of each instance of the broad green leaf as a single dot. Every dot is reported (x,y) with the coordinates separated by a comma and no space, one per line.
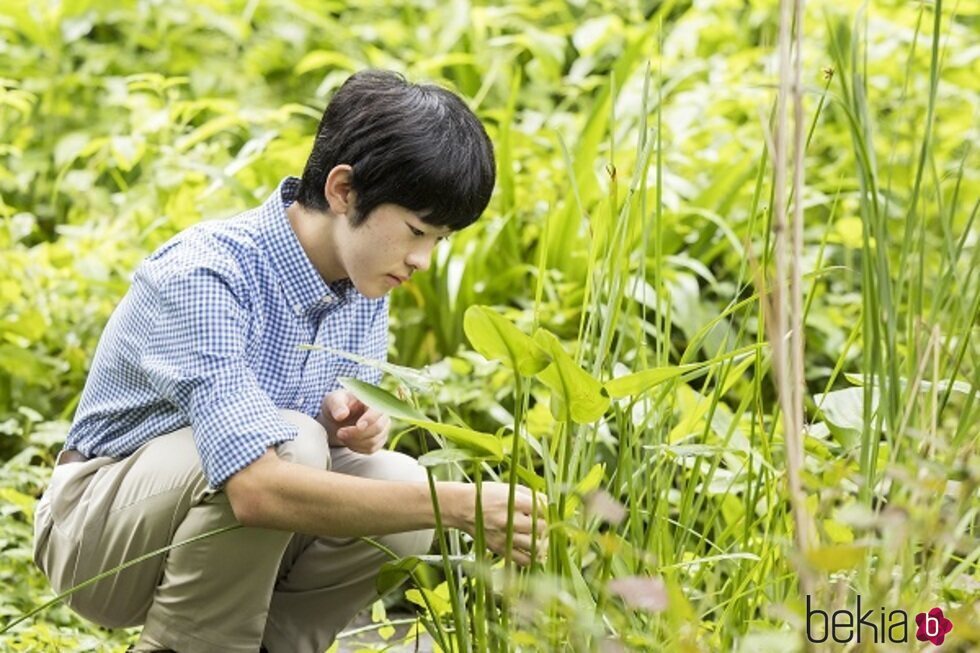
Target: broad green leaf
(394,573)
(382,400)
(583,399)
(446,457)
(843,411)
(837,557)
(484,443)
(498,339)
(640,382)
(438,599)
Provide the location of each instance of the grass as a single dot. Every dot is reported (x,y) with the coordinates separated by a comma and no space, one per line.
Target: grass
(642,269)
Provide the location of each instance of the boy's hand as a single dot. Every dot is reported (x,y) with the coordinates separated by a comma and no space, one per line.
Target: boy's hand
(494,501)
(349,423)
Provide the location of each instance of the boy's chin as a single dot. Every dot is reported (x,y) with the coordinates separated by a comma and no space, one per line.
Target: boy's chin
(372,291)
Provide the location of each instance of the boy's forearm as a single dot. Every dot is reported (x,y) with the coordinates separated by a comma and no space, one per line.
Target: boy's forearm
(272,493)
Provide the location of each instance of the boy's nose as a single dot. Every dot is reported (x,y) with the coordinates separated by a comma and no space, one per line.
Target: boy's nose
(419,259)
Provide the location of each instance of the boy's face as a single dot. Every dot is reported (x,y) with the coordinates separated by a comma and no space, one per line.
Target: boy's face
(389,246)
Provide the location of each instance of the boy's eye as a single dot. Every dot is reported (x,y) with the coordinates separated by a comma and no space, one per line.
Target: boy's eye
(416,232)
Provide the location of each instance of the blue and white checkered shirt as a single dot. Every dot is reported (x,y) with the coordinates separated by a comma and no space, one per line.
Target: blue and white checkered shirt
(208,336)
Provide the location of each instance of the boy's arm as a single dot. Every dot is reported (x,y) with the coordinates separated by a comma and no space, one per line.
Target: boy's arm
(273,493)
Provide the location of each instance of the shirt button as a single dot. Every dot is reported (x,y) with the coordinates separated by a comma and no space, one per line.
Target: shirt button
(298,309)
(328,299)
(298,403)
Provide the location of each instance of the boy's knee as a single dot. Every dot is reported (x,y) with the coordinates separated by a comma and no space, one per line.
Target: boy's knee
(310,447)
(409,543)
(401,467)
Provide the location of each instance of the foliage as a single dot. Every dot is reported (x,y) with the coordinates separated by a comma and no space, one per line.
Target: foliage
(602,323)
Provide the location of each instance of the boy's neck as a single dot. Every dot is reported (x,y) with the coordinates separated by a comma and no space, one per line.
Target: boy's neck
(314,230)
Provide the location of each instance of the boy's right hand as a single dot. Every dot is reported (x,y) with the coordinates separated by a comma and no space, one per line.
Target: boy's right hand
(494,499)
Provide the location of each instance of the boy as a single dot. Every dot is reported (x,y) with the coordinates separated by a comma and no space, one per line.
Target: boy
(201,410)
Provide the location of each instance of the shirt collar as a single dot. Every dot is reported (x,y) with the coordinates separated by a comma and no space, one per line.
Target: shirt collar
(305,289)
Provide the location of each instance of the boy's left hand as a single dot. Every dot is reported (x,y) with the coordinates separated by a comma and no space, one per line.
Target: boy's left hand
(350,423)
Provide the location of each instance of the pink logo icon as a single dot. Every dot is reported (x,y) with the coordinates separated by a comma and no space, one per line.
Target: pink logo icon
(933,626)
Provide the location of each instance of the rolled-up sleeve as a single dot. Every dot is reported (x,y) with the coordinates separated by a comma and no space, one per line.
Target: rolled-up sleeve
(195,358)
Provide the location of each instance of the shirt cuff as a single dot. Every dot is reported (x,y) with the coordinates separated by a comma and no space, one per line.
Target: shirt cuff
(234,431)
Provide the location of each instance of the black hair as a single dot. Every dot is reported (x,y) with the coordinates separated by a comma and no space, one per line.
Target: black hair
(415,145)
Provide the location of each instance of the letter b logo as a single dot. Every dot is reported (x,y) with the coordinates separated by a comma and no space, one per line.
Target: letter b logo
(810,614)
(932,626)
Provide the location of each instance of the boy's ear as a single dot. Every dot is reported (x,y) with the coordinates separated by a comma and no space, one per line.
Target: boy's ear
(337,189)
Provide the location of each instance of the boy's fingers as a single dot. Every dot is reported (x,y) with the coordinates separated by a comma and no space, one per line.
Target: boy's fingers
(354,405)
(526,503)
(369,439)
(337,404)
(378,428)
(370,417)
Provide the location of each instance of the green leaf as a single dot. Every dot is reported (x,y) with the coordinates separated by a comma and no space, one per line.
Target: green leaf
(640,382)
(446,457)
(486,444)
(583,399)
(438,598)
(836,557)
(394,573)
(843,410)
(384,401)
(498,339)
(482,443)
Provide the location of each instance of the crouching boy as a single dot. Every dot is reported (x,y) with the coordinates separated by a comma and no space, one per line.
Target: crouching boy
(203,411)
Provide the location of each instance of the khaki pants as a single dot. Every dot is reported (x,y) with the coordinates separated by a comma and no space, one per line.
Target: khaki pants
(231,592)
